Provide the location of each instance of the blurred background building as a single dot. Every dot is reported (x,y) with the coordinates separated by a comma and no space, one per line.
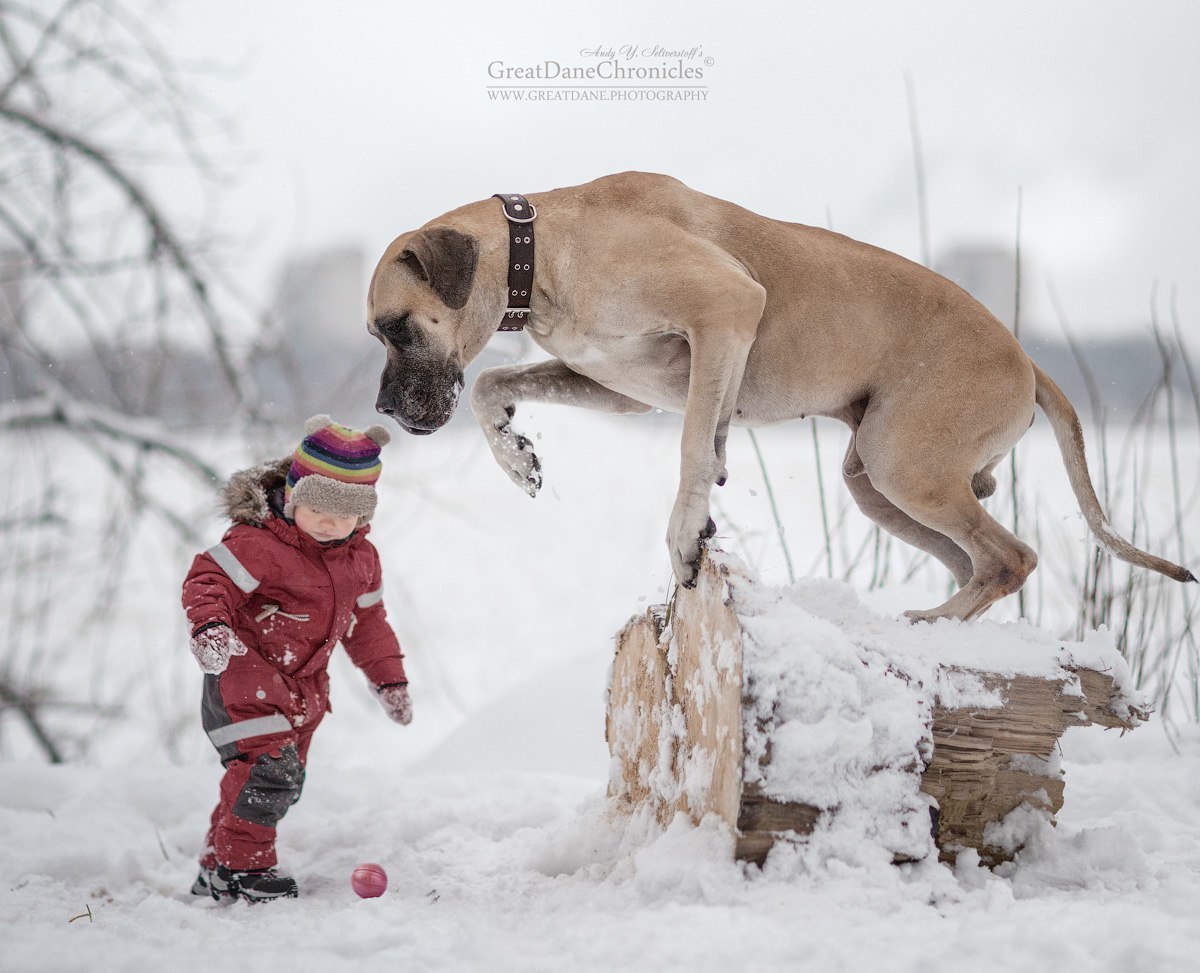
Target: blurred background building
(986,271)
(1126,366)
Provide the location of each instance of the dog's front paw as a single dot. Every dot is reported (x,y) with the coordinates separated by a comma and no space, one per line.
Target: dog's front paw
(688,530)
(516,457)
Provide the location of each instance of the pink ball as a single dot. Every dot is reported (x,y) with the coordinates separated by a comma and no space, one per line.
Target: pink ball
(369,880)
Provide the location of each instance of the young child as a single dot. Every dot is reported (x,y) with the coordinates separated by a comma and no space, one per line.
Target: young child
(292,577)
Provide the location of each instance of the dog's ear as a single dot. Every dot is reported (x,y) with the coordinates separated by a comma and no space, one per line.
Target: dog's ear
(445,259)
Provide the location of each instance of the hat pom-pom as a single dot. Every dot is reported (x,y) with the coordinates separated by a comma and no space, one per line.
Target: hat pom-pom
(316,422)
(378,435)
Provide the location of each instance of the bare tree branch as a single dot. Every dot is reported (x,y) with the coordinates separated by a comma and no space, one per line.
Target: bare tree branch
(114,307)
(162,237)
(89,419)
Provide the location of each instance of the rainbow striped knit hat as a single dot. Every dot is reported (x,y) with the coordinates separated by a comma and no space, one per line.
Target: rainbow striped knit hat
(334,469)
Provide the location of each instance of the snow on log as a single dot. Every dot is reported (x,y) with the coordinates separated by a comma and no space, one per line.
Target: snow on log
(798,714)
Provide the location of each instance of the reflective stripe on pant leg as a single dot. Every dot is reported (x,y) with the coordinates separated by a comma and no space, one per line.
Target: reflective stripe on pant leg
(224,731)
(245,729)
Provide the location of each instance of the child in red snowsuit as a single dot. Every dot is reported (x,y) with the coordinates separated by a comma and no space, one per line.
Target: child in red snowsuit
(294,576)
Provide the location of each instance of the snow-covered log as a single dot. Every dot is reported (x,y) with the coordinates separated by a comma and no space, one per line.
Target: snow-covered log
(792,712)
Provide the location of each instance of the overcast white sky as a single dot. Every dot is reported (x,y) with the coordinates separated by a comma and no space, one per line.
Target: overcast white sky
(366,119)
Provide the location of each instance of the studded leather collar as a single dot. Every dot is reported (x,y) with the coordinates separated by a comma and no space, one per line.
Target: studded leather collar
(520,214)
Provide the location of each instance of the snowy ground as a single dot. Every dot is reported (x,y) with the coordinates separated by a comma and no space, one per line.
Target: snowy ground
(488,813)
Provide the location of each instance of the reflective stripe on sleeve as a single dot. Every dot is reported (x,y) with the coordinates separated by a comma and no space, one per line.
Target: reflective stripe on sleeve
(370,598)
(243,730)
(233,567)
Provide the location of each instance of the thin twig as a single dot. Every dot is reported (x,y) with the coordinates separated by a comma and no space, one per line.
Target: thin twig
(914,128)
(821,497)
(762,465)
(89,419)
(26,707)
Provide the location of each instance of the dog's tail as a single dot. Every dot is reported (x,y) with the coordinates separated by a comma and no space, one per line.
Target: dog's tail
(1065,422)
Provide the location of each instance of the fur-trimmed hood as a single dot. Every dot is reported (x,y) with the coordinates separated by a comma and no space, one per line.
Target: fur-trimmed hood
(246,497)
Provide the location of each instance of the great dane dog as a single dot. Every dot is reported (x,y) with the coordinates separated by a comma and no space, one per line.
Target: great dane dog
(650,294)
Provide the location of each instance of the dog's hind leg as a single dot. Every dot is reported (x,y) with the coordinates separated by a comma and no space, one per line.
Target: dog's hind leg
(897,523)
(1000,562)
(930,458)
(886,514)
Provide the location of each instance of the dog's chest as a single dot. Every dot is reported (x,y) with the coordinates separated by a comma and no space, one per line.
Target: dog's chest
(650,368)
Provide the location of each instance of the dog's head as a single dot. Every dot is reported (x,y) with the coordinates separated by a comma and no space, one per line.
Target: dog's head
(420,307)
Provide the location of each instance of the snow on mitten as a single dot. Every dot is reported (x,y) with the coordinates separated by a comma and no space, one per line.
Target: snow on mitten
(395,700)
(212,647)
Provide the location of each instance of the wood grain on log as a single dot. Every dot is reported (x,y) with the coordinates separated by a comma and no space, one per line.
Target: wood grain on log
(675,731)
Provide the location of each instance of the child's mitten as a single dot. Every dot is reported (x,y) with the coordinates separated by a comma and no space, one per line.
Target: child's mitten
(212,645)
(395,700)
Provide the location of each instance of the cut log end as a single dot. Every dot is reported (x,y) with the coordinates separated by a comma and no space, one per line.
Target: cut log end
(678,704)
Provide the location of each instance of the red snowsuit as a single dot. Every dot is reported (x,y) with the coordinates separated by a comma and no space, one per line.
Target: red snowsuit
(290,600)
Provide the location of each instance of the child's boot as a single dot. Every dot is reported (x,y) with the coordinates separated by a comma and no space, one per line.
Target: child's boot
(258,884)
(209,883)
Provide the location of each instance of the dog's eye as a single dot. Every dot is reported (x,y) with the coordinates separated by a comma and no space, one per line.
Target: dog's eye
(396,328)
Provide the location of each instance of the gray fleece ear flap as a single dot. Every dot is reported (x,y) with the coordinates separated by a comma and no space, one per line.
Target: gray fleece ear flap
(445,258)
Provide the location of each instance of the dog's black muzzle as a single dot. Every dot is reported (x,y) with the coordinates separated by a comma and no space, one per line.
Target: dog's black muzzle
(419,401)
